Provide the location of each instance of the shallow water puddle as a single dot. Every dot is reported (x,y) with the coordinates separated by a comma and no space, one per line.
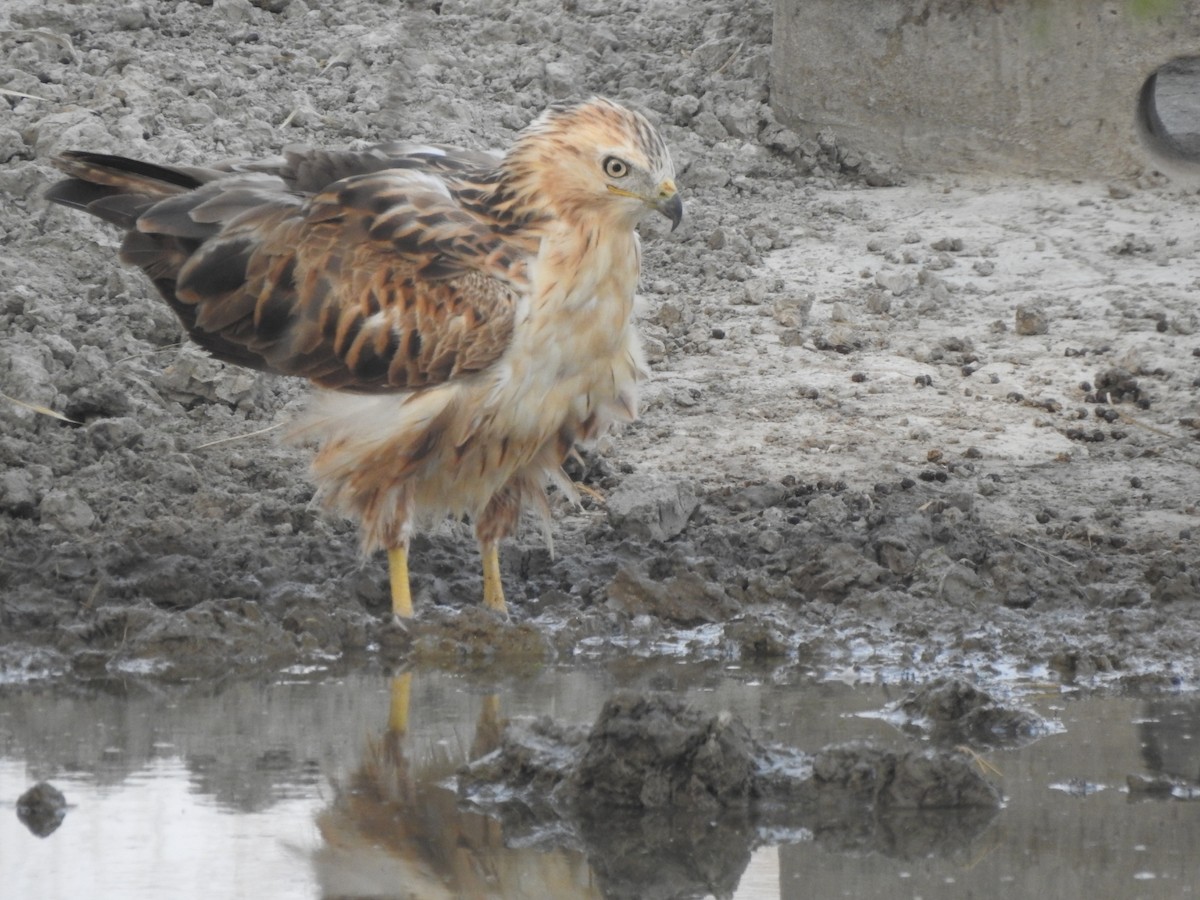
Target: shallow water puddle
(318,786)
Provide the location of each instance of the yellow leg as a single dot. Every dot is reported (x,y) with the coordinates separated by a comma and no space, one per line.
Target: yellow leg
(402,606)
(398,710)
(489,713)
(493,588)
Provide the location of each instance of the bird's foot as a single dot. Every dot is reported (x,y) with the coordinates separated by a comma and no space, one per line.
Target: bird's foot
(597,496)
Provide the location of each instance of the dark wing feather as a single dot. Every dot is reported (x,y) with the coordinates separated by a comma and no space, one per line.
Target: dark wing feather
(310,170)
(379,282)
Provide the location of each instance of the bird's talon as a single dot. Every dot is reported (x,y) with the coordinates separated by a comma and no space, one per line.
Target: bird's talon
(597,496)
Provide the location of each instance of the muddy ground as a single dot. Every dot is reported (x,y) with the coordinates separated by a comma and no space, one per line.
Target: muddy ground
(896,427)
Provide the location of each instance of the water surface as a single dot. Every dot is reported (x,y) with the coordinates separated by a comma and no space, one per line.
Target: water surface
(313,785)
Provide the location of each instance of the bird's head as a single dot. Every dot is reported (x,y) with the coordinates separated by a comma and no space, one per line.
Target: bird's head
(596,159)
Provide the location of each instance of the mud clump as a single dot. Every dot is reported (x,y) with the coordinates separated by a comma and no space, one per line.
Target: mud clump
(42,808)
(651,753)
(953,711)
(668,801)
(1117,384)
(657,753)
(472,635)
(858,775)
(651,509)
(684,599)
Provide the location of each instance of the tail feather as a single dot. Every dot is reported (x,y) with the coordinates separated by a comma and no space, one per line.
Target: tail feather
(96,199)
(131,174)
(132,194)
(116,189)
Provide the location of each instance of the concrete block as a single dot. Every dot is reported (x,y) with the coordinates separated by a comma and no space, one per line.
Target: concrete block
(1058,87)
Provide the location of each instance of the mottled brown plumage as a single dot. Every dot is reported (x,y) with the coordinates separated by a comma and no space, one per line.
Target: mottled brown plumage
(469,313)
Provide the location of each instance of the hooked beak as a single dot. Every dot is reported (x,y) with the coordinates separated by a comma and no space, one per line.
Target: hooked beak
(669,204)
(666,201)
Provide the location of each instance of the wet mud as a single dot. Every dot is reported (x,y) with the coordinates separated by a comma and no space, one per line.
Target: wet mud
(942,428)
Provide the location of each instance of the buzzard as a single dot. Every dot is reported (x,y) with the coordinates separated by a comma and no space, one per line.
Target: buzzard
(466,317)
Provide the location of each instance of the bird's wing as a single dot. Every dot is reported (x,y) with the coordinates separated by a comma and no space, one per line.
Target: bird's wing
(380,282)
(310,170)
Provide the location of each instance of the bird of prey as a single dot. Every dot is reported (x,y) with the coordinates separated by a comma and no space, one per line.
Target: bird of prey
(465,316)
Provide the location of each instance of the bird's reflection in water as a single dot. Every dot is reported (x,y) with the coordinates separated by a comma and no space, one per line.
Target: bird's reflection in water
(394,830)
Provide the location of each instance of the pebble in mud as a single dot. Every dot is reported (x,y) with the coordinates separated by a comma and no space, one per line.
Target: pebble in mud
(756,496)
(898,283)
(948,244)
(1117,384)
(18,493)
(792,310)
(1031,320)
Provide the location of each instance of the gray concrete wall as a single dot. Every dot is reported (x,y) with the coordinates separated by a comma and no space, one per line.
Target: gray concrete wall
(1032,86)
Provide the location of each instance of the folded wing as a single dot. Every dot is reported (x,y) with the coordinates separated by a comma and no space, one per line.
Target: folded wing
(376,281)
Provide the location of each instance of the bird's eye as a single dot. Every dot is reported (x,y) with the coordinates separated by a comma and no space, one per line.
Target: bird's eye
(615,168)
